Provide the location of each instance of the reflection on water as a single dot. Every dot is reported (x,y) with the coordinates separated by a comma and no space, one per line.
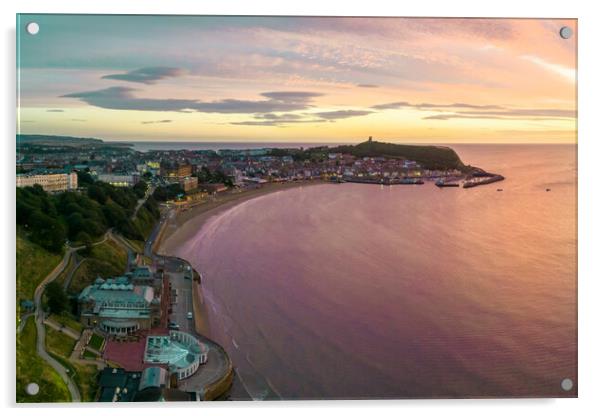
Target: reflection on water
(351,290)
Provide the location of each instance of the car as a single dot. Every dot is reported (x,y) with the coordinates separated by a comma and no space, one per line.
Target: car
(173,325)
(189,315)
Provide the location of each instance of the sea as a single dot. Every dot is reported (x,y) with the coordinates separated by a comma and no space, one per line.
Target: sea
(347,291)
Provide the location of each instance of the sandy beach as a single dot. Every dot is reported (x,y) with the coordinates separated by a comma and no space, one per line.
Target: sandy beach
(187,223)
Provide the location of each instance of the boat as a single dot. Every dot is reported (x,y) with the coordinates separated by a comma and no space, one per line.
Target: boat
(548,189)
(499,189)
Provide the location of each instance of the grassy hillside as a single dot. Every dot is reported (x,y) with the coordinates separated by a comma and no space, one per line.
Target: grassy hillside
(60,347)
(33,264)
(430,157)
(31,368)
(108,259)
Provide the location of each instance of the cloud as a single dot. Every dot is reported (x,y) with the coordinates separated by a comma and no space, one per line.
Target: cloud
(275,123)
(509,114)
(367,85)
(123,98)
(280,120)
(80,120)
(392,106)
(148,75)
(404,104)
(335,115)
(468,111)
(156,121)
(55,110)
(271,119)
(567,73)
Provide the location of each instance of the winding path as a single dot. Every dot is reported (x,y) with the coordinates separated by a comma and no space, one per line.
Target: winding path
(40,318)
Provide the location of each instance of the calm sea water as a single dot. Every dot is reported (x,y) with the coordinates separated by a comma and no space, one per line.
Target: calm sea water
(363,291)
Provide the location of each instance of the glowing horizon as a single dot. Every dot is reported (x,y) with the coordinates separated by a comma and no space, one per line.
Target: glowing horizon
(295,79)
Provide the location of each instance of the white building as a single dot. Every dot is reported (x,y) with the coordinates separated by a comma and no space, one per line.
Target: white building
(119,179)
(53,182)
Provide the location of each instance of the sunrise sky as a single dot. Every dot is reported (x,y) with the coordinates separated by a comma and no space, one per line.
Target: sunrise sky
(297,79)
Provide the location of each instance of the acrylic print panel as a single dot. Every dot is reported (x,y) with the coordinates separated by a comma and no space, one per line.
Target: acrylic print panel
(214,207)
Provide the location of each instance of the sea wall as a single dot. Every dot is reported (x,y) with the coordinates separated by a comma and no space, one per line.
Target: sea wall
(223,382)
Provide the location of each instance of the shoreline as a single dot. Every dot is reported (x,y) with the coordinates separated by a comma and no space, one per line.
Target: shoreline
(175,234)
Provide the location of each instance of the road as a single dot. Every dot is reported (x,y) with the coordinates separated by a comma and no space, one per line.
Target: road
(77,262)
(218,363)
(149,191)
(166,215)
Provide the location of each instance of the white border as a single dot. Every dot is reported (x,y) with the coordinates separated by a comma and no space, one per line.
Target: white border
(590,184)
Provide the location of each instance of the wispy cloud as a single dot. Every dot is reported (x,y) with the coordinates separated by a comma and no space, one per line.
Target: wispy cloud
(367,85)
(468,111)
(148,75)
(55,110)
(567,73)
(156,121)
(335,115)
(405,104)
(271,119)
(508,114)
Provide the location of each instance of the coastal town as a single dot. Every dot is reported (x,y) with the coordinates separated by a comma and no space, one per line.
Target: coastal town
(199,173)
(137,328)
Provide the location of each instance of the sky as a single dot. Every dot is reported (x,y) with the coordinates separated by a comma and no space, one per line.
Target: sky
(297,79)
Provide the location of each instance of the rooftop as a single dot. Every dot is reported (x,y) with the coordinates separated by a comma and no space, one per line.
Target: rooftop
(169,350)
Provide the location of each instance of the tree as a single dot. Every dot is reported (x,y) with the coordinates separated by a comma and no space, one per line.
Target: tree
(48,232)
(85,239)
(84,179)
(56,298)
(140,188)
(97,193)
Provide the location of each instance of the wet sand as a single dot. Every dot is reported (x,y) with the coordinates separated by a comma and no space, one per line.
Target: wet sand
(187,223)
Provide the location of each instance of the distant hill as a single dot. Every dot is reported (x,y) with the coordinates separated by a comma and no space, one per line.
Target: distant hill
(41,139)
(429,157)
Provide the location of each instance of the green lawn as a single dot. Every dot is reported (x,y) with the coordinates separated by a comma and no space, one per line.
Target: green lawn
(33,265)
(137,244)
(32,369)
(108,259)
(60,346)
(90,355)
(87,381)
(69,321)
(59,343)
(96,342)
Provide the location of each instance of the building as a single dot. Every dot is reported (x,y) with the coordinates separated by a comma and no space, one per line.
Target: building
(189,183)
(150,385)
(119,307)
(123,180)
(174,171)
(213,188)
(181,352)
(118,385)
(52,182)
(143,276)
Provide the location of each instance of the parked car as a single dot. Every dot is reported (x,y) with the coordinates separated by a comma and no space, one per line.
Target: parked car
(174,326)
(189,315)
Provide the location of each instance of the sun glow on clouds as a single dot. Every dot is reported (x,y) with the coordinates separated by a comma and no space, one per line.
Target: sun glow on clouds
(301,79)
